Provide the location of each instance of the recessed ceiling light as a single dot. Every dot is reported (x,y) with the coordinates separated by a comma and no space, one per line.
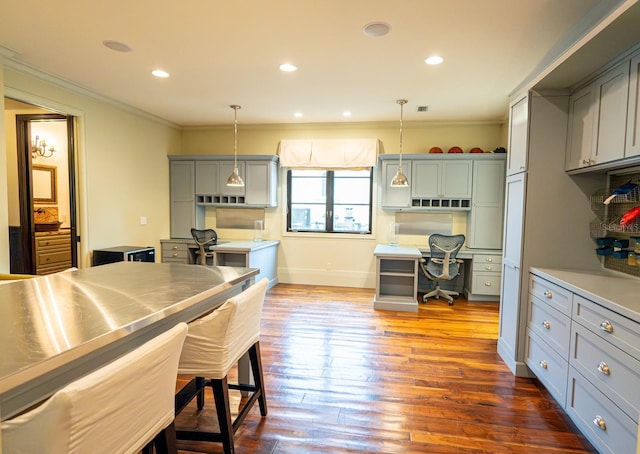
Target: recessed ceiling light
(288,67)
(298,114)
(434,60)
(116,45)
(376,29)
(346,113)
(160,73)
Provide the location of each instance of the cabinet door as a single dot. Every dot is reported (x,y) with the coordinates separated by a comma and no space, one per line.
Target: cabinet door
(183,209)
(207,177)
(580,134)
(518,136)
(632,147)
(426,179)
(484,228)
(261,183)
(226,168)
(510,305)
(395,197)
(611,95)
(456,179)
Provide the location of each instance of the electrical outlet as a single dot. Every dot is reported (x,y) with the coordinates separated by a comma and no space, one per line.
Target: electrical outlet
(143,220)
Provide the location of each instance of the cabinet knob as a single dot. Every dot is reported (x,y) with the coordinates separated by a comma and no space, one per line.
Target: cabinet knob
(604,369)
(488,268)
(548,294)
(606,326)
(599,422)
(488,259)
(544,364)
(488,284)
(586,161)
(546,324)
(174,247)
(521,167)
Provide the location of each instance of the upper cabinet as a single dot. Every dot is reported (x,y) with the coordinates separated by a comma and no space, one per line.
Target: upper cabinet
(484,222)
(633,110)
(598,120)
(518,135)
(399,197)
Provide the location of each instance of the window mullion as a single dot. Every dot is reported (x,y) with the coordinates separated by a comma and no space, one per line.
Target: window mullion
(329,207)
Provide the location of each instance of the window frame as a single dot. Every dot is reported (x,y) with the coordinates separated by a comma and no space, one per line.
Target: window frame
(329,206)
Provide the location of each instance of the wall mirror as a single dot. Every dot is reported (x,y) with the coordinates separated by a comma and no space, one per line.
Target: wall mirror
(44,184)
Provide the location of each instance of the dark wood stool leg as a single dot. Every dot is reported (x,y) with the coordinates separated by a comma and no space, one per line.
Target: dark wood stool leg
(258,377)
(165,441)
(200,397)
(223,408)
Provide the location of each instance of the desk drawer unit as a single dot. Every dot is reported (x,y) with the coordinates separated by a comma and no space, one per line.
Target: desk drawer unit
(53,253)
(550,368)
(557,297)
(550,325)
(177,252)
(605,425)
(485,274)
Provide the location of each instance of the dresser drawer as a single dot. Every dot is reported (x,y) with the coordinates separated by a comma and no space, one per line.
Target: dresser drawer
(555,296)
(616,329)
(53,241)
(550,368)
(487,259)
(551,325)
(604,424)
(613,371)
(175,254)
(485,283)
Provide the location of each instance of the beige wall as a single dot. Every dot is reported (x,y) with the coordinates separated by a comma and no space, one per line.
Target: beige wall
(4,211)
(122,165)
(343,260)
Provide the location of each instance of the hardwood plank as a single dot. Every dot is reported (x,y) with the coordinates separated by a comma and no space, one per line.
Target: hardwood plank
(343,378)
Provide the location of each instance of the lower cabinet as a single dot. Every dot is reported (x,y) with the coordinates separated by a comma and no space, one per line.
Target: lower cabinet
(486,270)
(176,251)
(396,278)
(588,358)
(53,252)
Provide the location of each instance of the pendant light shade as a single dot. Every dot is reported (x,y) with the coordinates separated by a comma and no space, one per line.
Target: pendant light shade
(400,180)
(235,180)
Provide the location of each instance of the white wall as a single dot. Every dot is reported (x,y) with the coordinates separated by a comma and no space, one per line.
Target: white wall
(123,171)
(342,260)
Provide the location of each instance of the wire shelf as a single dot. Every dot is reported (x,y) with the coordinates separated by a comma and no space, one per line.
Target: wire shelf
(600,196)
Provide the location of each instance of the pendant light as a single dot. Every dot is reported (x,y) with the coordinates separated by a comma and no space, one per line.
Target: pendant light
(400,180)
(235,179)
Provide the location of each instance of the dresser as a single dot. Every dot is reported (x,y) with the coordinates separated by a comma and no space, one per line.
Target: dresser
(53,251)
(583,344)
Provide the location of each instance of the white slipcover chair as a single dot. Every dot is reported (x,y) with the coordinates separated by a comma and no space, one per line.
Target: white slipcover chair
(214,344)
(119,408)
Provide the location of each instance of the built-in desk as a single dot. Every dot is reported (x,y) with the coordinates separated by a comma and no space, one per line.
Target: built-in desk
(397,275)
(57,328)
(252,254)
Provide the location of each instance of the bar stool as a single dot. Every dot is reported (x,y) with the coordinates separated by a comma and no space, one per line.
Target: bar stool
(119,408)
(214,344)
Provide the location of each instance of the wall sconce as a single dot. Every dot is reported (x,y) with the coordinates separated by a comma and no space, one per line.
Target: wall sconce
(39,148)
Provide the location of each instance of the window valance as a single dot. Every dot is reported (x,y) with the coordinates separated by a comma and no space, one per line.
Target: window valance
(328,153)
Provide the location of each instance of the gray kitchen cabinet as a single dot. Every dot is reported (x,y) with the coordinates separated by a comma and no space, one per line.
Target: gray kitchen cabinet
(184,215)
(484,222)
(395,197)
(597,120)
(210,183)
(518,135)
(261,183)
(632,145)
(441,184)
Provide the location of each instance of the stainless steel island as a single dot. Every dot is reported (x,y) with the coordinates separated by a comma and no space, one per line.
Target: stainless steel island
(56,328)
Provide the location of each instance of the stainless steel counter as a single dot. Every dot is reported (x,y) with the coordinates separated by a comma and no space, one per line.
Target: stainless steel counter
(56,328)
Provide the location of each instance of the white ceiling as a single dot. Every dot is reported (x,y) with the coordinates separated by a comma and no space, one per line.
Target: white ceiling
(228,52)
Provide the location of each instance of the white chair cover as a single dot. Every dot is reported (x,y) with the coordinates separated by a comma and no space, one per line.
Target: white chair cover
(116,409)
(216,342)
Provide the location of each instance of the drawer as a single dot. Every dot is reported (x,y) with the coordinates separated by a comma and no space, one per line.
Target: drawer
(610,369)
(487,259)
(174,254)
(54,257)
(485,283)
(604,424)
(487,267)
(548,366)
(175,247)
(551,325)
(555,296)
(53,241)
(616,329)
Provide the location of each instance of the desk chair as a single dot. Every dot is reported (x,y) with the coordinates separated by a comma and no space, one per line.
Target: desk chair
(214,344)
(442,265)
(122,407)
(204,239)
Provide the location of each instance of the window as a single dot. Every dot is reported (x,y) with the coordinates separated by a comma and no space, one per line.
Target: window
(330,201)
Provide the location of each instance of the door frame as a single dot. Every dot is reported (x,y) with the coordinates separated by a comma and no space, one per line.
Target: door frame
(25,181)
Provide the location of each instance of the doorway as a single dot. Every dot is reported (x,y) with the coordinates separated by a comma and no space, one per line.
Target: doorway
(45,239)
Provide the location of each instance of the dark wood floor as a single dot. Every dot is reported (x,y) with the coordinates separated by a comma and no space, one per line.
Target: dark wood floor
(343,378)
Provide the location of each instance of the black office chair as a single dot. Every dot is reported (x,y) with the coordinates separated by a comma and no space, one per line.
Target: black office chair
(204,239)
(443,264)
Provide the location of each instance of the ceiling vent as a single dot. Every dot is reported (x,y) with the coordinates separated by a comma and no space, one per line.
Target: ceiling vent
(423,108)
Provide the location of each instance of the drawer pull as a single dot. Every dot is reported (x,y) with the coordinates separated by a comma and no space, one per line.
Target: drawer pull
(606,326)
(488,268)
(548,294)
(599,422)
(604,369)
(174,247)
(488,284)
(489,259)
(546,324)
(544,364)
(175,254)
